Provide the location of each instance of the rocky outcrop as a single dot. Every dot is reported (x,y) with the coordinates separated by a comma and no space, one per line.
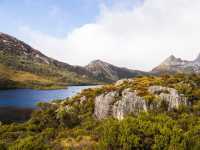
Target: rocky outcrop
(171,96)
(118,105)
(104,104)
(129,103)
(111,104)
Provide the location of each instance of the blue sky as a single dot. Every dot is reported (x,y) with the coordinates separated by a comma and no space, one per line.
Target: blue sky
(55,17)
(138,34)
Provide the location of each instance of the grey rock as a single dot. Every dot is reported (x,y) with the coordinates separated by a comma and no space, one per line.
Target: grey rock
(128,104)
(111,104)
(169,95)
(119,105)
(104,104)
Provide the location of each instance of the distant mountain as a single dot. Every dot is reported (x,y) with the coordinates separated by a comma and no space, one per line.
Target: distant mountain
(104,71)
(177,65)
(23,66)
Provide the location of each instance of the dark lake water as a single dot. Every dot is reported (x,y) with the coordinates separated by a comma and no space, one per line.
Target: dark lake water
(29,98)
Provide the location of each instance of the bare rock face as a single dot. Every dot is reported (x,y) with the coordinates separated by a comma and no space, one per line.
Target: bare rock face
(111,104)
(128,102)
(104,104)
(169,95)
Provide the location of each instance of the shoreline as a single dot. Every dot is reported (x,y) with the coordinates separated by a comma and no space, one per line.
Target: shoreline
(49,88)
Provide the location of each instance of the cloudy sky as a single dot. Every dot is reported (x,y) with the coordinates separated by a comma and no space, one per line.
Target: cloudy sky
(138,34)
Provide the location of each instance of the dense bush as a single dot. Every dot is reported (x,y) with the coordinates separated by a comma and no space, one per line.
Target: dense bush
(71,124)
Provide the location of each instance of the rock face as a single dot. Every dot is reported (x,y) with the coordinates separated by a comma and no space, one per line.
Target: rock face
(128,102)
(104,104)
(169,95)
(111,104)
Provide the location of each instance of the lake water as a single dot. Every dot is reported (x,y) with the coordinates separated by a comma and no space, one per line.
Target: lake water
(29,98)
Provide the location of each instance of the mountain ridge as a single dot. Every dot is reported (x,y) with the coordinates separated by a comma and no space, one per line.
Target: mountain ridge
(178,65)
(18,57)
(106,71)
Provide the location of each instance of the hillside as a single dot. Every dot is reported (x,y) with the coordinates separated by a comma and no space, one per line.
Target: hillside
(141,113)
(23,66)
(104,71)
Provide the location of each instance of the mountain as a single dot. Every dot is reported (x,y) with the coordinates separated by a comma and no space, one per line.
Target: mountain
(23,66)
(104,71)
(177,65)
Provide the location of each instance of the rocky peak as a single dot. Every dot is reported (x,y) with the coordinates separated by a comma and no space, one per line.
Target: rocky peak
(97,64)
(108,72)
(97,61)
(103,70)
(173,61)
(171,65)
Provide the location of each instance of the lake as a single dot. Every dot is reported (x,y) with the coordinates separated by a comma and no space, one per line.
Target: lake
(28,98)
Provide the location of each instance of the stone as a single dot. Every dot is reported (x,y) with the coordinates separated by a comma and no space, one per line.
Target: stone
(111,104)
(169,95)
(103,104)
(118,105)
(130,103)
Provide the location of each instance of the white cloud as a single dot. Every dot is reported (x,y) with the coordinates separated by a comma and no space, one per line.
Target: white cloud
(137,37)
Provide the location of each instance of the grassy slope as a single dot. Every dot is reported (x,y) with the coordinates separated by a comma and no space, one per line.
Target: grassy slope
(20,72)
(10,78)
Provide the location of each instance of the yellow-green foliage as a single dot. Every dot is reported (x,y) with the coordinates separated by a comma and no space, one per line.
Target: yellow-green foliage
(71,125)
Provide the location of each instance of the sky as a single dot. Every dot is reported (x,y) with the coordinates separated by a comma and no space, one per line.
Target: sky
(138,34)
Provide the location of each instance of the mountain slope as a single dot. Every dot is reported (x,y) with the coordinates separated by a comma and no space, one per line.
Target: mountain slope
(23,66)
(106,72)
(177,65)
